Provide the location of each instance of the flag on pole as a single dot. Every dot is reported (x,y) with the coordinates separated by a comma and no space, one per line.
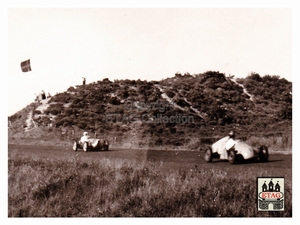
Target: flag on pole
(25,66)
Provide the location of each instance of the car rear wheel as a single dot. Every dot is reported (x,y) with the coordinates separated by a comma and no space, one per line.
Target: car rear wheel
(75,146)
(208,155)
(231,156)
(105,147)
(85,146)
(263,153)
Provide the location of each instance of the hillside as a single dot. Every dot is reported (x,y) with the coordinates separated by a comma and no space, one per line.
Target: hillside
(185,110)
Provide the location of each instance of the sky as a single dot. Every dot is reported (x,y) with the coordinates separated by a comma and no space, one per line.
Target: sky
(66,44)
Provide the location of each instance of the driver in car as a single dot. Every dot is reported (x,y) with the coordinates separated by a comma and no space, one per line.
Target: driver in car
(85,137)
(231,142)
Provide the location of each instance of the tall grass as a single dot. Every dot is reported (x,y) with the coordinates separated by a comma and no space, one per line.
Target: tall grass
(118,188)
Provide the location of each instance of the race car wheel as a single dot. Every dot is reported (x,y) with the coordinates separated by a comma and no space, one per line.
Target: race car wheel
(75,146)
(208,155)
(231,156)
(263,153)
(85,146)
(105,147)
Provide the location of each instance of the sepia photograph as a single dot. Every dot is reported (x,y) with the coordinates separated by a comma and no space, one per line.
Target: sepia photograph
(131,111)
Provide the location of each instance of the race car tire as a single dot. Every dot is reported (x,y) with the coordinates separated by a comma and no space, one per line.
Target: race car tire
(85,146)
(232,156)
(263,153)
(105,147)
(208,155)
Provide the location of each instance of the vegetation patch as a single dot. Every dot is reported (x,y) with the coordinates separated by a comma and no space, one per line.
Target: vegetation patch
(123,188)
(176,112)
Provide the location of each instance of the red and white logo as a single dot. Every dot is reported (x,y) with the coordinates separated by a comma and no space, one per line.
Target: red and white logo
(270,194)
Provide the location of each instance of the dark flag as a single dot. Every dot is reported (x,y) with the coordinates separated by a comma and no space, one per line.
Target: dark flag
(25,66)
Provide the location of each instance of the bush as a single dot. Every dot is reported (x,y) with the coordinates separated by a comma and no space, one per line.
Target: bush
(71,89)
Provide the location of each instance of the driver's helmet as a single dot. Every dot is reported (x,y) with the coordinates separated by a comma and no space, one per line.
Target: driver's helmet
(231,134)
(85,133)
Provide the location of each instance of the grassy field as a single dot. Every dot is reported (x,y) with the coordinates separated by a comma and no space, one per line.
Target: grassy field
(71,186)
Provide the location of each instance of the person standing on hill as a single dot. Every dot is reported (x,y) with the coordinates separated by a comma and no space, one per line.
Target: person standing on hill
(83,82)
(43,95)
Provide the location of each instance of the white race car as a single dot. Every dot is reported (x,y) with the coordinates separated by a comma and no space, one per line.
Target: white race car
(93,144)
(239,151)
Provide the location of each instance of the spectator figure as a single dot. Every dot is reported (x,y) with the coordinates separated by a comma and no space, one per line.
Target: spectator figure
(43,95)
(37,98)
(83,82)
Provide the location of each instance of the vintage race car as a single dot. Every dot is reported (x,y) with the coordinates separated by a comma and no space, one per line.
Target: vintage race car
(93,144)
(238,152)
